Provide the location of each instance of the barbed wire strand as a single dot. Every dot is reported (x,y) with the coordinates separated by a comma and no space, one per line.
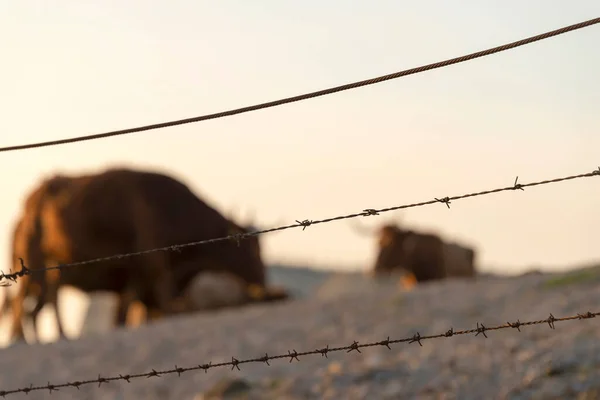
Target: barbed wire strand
(294,355)
(318,93)
(304,224)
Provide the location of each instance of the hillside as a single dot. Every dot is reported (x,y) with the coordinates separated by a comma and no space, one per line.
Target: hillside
(539,362)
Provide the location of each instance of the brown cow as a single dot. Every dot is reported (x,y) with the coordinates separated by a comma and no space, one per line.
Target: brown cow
(459,260)
(422,254)
(71,219)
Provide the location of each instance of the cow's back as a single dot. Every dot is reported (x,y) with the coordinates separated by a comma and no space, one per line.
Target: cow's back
(85,218)
(181,215)
(425,256)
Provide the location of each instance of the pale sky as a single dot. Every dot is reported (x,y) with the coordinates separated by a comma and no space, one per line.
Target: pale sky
(86,67)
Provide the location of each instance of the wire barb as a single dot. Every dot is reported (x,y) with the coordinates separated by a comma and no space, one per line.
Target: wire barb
(12,277)
(481,329)
(516,325)
(354,346)
(445,200)
(205,367)
(102,380)
(369,211)
(586,315)
(293,356)
(517,186)
(318,93)
(416,338)
(265,359)
(324,351)
(179,370)
(305,223)
(550,321)
(385,343)
(153,373)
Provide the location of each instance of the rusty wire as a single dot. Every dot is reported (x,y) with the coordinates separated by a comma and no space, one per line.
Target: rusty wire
(318,93)
(299,223)
(294,355)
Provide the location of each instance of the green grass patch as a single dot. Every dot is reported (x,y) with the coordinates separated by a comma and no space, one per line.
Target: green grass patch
(590,275)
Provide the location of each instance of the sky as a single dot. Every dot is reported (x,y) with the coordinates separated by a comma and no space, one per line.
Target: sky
(87,67)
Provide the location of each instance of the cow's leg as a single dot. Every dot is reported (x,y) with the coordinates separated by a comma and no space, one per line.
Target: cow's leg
(34,317)
(16,330)
(38,292)
(163,284)
(52,285)
(157,276)
(125,301)
(136,314)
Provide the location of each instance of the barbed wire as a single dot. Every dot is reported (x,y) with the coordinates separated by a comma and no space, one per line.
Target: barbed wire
(318,93)
(294,355)
(13,276)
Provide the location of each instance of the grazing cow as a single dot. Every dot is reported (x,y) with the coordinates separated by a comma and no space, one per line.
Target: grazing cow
(460,260)
(421,254)
(72,219)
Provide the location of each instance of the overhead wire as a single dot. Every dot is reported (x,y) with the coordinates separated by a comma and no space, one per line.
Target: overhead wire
(310,95)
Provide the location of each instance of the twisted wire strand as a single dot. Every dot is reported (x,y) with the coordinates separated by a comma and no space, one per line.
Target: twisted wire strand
(6,278)
(311,95)
(294,355)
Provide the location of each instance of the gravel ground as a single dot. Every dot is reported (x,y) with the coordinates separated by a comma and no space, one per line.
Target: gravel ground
(537,363)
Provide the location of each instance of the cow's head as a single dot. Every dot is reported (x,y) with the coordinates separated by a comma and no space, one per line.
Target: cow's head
(391,254)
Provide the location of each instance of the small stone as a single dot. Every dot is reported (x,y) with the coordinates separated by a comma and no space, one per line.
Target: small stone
(227,387)
(335,368)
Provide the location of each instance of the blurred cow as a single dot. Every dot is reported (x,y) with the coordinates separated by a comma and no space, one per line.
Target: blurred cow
(71,219)
(422,254)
